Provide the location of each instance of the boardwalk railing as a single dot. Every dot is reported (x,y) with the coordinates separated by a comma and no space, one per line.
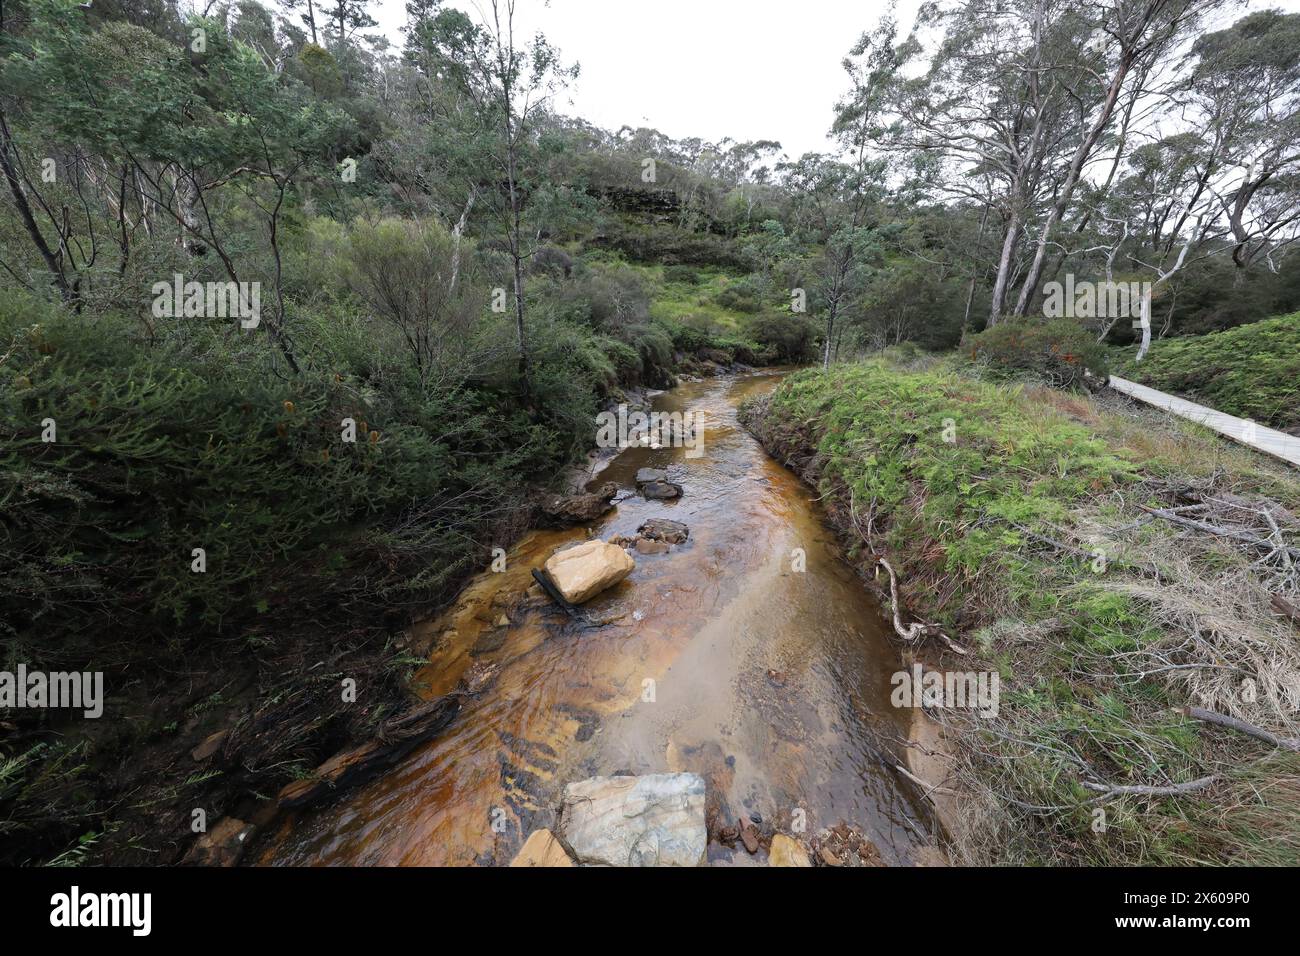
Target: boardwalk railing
(1276,443)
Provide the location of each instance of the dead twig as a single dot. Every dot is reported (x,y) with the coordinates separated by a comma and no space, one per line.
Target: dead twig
(1222,532)
(1242,726)
(1109,791)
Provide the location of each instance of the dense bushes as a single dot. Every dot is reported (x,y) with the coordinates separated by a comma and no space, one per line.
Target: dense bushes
(1058,351)
(177,451)
(787,339)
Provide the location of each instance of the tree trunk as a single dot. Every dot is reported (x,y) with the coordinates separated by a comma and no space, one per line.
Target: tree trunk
(1071,181)
(1004,269)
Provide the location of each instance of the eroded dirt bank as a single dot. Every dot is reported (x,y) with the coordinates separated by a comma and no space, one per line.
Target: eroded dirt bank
(721,657)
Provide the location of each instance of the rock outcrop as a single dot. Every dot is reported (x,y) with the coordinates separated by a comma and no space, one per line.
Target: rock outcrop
(584,570)
(653,820)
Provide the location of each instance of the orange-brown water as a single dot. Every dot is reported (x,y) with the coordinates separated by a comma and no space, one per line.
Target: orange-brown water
(720,658)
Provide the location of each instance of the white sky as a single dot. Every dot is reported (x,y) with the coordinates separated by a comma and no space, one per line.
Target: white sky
(748,69)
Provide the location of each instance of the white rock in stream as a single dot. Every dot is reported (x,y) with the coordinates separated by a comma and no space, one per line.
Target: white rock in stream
(584,570)
(654,820)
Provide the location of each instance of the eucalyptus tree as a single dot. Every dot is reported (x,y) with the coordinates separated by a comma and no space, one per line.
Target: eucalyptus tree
(152,135)
(1130,38)
(1245,93)
(986,118)
(489,91)
(836,201)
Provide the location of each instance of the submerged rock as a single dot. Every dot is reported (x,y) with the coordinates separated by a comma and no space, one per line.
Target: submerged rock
(662,490)
(645,476)
(663,529)
(579,509)
(541,849)
(584,570)
(654,820)
(646,546)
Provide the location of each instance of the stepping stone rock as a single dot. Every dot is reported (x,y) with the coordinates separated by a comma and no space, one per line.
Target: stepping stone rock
(579,509)
(653,820)
(584,570)
(661,490)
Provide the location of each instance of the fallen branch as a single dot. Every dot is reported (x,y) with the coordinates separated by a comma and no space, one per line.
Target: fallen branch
(1220,531)
(1236,723)
(929,788)
(395,739)
(916,630)
(1108,790)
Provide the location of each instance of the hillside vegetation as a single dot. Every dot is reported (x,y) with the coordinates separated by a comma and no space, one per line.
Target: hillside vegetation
(1252,371)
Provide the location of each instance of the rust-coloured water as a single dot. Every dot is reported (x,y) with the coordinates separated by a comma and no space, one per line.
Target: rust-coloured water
(721,659)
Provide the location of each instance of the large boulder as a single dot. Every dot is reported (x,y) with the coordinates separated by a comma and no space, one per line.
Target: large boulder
(654,820)
(579,509)
(584,570)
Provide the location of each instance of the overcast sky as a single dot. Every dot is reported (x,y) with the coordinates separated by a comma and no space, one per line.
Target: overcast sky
(748,69)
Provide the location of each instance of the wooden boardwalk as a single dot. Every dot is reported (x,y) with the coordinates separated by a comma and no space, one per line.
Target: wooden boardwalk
(1275,443)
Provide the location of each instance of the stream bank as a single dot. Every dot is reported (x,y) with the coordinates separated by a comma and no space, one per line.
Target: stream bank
(749,655)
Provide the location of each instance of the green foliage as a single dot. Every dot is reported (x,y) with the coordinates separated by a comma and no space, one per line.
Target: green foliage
(1056,351)
(667,245)
(1252,371)
(787,339)
(685,275)
(176,451)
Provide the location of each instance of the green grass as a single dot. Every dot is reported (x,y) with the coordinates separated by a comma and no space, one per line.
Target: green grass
(994,502)
(694,304)
(1252,371)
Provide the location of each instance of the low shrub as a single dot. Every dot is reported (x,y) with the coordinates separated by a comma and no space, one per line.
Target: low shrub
(1057,352)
